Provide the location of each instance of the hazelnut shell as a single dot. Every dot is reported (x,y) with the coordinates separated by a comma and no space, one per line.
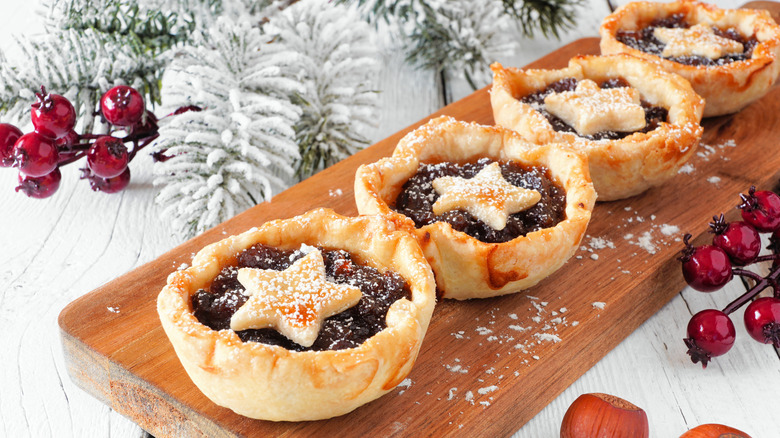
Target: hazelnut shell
(604,416)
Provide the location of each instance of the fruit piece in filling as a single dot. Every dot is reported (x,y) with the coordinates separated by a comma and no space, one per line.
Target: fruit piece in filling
(307,299)
(474,214)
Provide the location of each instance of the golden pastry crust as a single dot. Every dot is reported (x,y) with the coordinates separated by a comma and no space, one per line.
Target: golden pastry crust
(727,88)
(464,266)
(619,168)
(272,383)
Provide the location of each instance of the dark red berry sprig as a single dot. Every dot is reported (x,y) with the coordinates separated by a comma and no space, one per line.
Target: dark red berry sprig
(708,268)
(54,143)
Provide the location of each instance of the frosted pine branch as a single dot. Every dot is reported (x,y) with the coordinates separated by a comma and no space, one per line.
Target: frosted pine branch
(240,149)
(548,16)
(465,36)
(156,24)
(339,72)
(80,66)
(92,45)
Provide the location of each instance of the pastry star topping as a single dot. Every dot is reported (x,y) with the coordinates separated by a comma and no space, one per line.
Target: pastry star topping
(590,109)
(294,301)
(487,196)
(698,40)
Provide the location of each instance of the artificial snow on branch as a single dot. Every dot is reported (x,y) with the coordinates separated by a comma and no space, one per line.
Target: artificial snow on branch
(156,25)
(79,65)
(548,16)
(338,72)
(91,45)
(465,35)
(240,149)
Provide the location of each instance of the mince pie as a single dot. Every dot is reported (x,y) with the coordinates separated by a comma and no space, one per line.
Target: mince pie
(301,319)
(637,123)
(730,56)
(493,213)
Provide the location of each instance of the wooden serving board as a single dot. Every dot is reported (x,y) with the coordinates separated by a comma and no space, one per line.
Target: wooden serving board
(486,366)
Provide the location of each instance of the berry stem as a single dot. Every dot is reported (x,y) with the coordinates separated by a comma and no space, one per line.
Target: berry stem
(767,258)
(761,284)
(78,147)
(182,110)
(749,274)
(140,144)
(76,157)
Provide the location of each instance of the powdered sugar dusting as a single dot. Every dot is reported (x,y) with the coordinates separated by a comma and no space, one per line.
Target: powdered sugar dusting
(456,367)
(404,385)
(707,152)
(451,394)
(669,230)
(601,243)
(547,337)
(686,168)
(646,242)
(487,389)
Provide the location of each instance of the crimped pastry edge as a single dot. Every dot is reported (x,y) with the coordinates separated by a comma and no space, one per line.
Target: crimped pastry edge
(727,88)
(465,267)
(619,168)
(272,383)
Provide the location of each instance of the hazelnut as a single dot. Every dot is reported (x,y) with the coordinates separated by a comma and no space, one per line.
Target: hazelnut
(714,431)
(604,416)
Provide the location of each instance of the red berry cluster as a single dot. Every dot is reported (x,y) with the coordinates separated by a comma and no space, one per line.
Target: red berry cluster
(54,143)
(709,267)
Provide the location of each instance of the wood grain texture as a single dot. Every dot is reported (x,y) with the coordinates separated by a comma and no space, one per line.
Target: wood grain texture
(125,359)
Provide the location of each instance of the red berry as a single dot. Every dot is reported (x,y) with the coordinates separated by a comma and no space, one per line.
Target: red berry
(110,185)
(122,106)
(739,240)
(8,136)
(68,140)
(35,155)
(53,115)
(147,126)
(107,157)
(761,209)
(39,187)
(710,333)
(762,320)
(705,268)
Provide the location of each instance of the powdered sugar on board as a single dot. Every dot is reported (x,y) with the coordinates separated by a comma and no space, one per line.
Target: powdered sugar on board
(525,333)
(646,232)
(706,153)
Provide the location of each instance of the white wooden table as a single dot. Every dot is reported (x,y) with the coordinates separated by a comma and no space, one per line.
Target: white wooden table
(55,250)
